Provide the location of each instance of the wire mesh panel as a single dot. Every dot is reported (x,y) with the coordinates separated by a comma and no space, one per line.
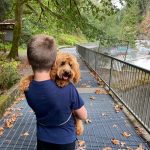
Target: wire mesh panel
(92,60)
(132,85)
(84,53)
(119,78)
(100,63)
(103,66)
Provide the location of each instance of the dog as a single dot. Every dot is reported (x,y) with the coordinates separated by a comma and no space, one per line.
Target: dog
(65,70)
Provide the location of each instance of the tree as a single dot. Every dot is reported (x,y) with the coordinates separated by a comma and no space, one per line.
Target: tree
(71,14)
(17,29)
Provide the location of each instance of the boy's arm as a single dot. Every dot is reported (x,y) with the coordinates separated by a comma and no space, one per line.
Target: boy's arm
(81,113)
(78,106)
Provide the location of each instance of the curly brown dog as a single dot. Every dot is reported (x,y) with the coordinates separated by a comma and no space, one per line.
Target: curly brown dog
(65,69)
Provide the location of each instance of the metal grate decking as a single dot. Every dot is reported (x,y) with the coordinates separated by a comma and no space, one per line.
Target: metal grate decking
(98,134)
(87,80)
(106,123)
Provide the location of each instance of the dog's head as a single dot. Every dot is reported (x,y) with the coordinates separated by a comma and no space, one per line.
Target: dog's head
(66,68)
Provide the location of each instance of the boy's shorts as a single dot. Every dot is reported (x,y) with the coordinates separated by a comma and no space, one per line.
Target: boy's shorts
(50,146)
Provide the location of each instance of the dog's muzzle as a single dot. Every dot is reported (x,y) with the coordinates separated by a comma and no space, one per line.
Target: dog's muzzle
(66,75)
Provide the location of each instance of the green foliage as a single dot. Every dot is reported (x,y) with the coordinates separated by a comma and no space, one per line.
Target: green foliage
(123,25)
(66,39)
(129,24)
(5,7)
(64,17)
(9,74)
(5,46)
(94,19)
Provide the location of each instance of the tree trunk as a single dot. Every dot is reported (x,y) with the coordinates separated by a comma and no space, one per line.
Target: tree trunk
(17,29)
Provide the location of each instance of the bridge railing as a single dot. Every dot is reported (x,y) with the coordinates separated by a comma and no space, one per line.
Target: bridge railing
(131,84)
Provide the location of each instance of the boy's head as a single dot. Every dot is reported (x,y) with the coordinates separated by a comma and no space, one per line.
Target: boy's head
(41,52)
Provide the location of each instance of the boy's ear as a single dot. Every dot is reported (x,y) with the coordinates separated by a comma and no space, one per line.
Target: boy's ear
(53,71)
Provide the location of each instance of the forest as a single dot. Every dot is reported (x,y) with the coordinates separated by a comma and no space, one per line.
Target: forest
(70,22)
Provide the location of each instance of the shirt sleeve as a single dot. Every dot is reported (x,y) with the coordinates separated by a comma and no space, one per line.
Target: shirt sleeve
(77,101)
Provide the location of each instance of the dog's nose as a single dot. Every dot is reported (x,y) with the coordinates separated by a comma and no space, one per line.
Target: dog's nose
(67,72)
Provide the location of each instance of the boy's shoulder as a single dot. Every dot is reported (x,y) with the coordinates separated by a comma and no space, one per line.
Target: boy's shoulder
(51,85)
(39,84)
(71,85)
(34,82)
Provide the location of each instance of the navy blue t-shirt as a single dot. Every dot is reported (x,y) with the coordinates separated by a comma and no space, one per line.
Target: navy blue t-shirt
(53,107)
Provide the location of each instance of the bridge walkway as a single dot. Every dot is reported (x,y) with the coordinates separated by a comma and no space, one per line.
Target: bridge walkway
(106,125)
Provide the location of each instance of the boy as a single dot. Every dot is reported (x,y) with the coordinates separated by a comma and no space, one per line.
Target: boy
(52,105)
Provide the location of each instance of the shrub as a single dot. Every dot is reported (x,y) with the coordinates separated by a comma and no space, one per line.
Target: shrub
(8,74)
(66,39)
(5,46)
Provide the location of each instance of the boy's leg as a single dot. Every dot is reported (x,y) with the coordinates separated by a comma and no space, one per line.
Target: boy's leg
(45,146)
(49,146)
(70,146)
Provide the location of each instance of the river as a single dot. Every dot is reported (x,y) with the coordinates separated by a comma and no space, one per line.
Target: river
(139,56)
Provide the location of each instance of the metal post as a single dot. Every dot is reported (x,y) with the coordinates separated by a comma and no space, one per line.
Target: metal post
(126,51)
(88,57)
(95,62)
(111,67)
(99,46)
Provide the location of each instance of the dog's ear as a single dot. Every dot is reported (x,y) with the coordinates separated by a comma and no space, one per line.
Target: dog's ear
(53,72)
(77,75)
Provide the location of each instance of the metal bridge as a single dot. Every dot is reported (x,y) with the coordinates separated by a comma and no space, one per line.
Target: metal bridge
(106,125)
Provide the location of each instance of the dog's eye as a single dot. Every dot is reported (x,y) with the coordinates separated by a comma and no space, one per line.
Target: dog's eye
(62,63)
(70,65)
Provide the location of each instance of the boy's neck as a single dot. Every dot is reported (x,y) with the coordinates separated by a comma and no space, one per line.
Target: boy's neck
(41,76)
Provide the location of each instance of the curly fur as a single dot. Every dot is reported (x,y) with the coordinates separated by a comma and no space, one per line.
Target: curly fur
(65,63)
(65,69)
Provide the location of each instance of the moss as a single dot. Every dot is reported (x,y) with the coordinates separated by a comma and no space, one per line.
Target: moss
(7,99)
(3,103)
